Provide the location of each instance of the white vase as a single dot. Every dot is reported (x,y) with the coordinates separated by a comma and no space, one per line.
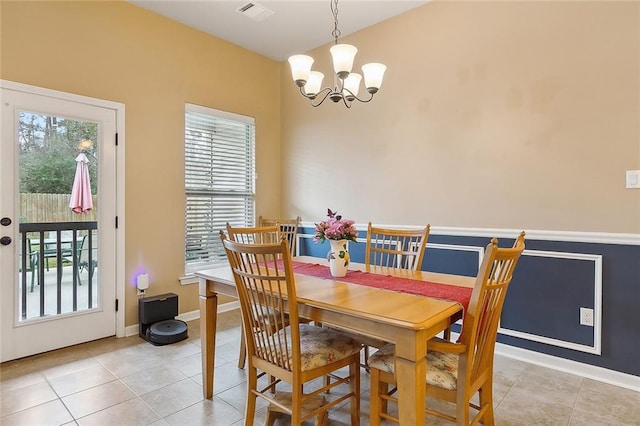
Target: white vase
(338,257)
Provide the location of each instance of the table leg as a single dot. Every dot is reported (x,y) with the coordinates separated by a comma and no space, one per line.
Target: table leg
(411,370)
(208,320)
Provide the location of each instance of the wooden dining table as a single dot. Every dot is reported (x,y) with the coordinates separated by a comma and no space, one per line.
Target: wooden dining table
(406,320)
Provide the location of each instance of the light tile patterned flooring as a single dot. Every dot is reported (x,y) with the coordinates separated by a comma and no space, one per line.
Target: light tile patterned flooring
(131,382)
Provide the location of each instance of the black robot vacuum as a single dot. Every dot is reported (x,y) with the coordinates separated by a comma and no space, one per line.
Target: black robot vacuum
(156,317)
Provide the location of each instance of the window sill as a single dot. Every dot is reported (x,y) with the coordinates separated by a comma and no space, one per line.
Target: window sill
(188,279)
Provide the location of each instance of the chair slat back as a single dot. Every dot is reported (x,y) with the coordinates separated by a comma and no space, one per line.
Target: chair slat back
(32,256)
(88,248)
(396,248)
(264,288)
(30,251)
(254,235)
(288,229)
(481,319)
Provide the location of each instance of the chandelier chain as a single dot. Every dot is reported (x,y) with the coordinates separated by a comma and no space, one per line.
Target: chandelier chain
(334,10)
(345,82)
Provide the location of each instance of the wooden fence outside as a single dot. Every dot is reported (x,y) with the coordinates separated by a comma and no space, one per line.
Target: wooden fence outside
(38,208)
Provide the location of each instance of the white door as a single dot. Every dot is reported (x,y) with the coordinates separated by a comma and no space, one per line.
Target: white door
(58,281)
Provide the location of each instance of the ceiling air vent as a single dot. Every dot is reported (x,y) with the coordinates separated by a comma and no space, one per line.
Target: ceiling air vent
(255,11)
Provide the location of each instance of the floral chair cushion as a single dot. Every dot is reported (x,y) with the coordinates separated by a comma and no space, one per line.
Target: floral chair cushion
(320,346)
(442,368)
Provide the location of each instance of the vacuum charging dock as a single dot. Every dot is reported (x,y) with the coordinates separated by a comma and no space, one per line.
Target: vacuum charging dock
(156,317)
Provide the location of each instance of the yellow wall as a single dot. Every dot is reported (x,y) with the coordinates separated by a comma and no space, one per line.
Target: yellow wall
(492,114)
(119,52)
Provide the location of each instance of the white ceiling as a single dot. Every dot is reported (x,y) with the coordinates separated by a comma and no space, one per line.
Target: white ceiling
(294,27)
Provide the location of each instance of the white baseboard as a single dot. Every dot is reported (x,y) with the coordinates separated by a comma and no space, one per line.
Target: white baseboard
(226,307)
(133,330)
(588,371)
(600,374)
(189,316)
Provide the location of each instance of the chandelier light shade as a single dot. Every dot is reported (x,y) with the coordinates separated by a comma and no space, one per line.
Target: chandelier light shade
(346,83)
(314,83)
(343,56)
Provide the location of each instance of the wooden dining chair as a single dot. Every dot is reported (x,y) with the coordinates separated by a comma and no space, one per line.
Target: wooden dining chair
(288,228)
(457,371)
(282,347)
(396,248)
(252,235)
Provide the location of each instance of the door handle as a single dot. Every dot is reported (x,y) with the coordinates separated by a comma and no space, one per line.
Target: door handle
(5,221)
(5,241)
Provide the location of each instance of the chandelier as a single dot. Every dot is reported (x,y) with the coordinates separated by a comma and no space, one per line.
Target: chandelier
(346,84)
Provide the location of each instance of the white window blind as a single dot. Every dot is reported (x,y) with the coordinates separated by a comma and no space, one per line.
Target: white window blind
(219,180)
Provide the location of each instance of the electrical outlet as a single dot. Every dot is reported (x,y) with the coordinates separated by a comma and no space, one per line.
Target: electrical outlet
(142,292)
(586,316)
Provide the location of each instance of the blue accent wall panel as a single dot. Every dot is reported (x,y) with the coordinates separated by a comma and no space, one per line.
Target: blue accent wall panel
(307,247)
(538,302)
(547,292)
(620,307)
(445,261)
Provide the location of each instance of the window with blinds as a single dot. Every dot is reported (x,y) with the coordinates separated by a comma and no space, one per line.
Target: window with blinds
(219,180)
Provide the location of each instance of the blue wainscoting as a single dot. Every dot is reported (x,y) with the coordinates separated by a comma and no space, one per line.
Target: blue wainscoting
(554,279)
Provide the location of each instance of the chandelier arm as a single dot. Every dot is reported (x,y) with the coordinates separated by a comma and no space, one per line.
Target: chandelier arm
(323,98)
(351,94)
(327,91)
(302,92)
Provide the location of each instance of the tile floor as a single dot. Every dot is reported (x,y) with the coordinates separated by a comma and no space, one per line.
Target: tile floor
(131,382)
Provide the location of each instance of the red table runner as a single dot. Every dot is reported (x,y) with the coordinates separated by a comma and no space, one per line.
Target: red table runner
(453,293)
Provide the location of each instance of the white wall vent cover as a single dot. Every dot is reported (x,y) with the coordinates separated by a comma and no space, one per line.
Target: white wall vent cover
(255,11)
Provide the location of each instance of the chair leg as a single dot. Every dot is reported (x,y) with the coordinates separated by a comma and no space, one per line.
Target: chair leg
(446,335)
(296,405)
(322,419)
(486,400)
(272,388)
(242,356)
(35,274)
(271,417)
(77,270)
(33,277)
(354,386)
(462,407)
(90,270)
(375,405)
(252,385)
(327,381)
(384,403)
(365,348)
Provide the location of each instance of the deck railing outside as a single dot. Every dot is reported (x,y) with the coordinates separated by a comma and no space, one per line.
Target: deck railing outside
(61,244)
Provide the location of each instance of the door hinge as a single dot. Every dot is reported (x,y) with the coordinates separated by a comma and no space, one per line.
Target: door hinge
(116,305)
(116,139)
(116,222)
